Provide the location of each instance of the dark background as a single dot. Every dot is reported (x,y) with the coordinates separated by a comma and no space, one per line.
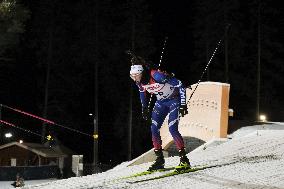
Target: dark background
(72,37)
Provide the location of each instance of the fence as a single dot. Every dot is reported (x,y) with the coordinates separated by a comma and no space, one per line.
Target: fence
(29,172)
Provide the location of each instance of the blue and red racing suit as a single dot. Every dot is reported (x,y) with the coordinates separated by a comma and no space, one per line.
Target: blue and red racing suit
(170,95)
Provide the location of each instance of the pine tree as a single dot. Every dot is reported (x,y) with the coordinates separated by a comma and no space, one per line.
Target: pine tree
(242,47)
(12,23)
(13,16)
(123,25)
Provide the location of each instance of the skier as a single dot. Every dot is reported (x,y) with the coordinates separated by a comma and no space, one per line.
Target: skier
(171,99)
(19,181)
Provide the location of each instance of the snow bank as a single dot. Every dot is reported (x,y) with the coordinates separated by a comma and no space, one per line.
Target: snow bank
(253,159)
(250,129)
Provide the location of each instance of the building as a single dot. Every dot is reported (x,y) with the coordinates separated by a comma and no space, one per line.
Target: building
(33,160)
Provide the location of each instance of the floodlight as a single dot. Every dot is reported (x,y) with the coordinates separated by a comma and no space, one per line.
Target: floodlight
(262,118)
(8,135)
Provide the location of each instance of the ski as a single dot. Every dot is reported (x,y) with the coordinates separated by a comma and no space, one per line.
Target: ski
(173,173)
(148,172)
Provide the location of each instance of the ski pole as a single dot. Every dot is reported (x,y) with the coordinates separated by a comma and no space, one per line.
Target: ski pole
(218,44)
(161,58)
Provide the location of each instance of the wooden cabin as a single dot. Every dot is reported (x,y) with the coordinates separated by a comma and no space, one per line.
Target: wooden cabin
(30,154)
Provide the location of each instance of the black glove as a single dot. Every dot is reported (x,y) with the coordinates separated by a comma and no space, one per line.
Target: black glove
(145,113)
(183,110)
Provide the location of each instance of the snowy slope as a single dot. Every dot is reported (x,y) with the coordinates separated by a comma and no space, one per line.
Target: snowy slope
(7,184)
(250,160)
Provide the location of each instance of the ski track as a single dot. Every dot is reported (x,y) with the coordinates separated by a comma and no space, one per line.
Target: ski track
(252,161)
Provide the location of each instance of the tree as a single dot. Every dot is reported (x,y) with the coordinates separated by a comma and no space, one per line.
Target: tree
(12,23)
(123,25)
(239,50)
(58,53)
(266,23)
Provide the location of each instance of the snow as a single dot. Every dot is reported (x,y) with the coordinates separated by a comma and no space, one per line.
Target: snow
(7,184)
(250,129)
(252,159)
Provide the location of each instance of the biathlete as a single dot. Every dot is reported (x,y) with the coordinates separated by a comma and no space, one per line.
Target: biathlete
(171,99)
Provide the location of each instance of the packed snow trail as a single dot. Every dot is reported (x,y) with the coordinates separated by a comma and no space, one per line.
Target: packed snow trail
(252,161)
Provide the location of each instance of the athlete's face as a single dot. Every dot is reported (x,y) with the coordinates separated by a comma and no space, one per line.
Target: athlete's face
(136,77)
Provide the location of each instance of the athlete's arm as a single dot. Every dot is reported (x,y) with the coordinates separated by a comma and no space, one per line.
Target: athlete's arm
(143,95)
(182,92)
(160,77)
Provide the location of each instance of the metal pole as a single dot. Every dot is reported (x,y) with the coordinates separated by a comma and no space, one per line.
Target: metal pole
(258,65)
(95,160)
(226,57)
(130,125)
(129,156)
(226,44)
(96,116)
(47,77)
(0,123)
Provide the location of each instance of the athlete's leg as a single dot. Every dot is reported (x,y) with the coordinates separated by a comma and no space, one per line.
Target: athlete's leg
(158,116)
(173,127)
(173,123)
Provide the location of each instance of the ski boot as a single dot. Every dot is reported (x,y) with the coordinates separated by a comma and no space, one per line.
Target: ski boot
(159,162)
(184,162)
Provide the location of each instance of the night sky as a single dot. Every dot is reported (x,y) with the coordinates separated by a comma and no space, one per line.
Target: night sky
(67,39)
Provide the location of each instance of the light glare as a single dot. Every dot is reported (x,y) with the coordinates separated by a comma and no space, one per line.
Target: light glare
(8,135)
(262,117)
